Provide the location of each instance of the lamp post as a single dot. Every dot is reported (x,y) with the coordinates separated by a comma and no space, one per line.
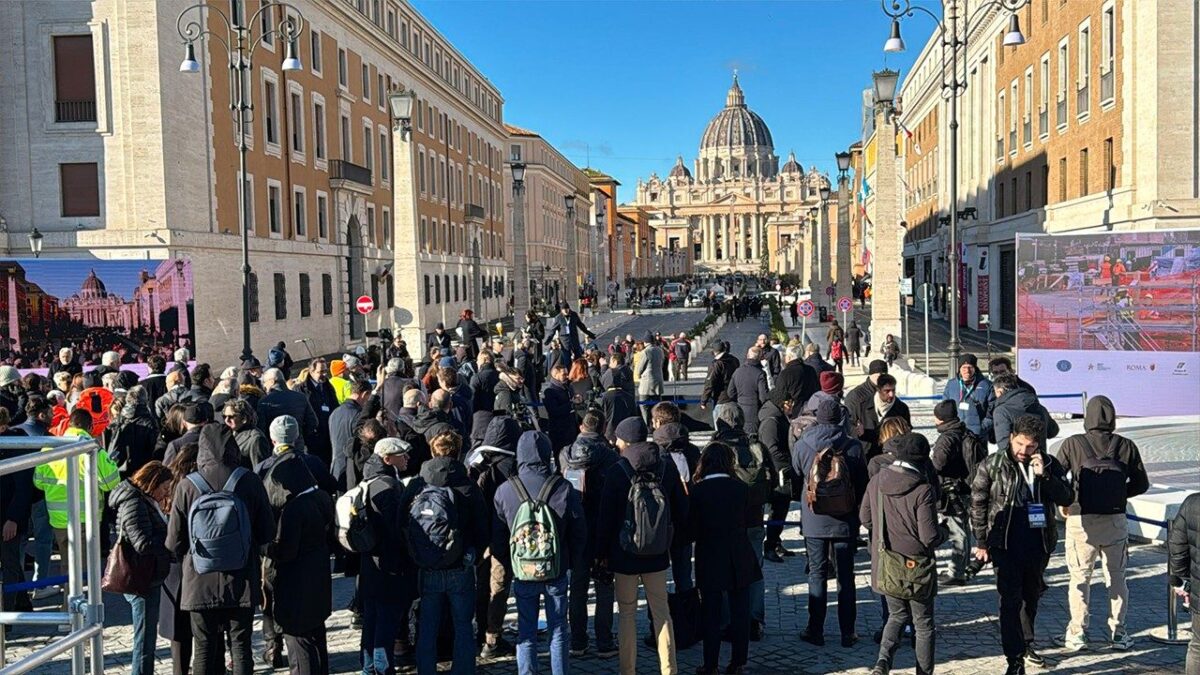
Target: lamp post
(953,84)
(622,281)
(571,285)
(35,242)
(240,42)
(845,280)
(520,271)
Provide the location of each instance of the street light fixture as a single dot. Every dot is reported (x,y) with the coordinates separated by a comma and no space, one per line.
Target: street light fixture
(953,84)
(824,193)
(843,162)
(520,244)
(240,42)
(569,205)
(401,104)
(518,175)
(35,242)
(885,86)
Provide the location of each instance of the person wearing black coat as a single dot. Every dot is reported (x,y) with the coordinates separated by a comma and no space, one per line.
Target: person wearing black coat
(490,465)
(561,424)
(1183,567)
(618,405)
(870,403)
(220,602)
(773,426)
(568,325)
(142,527)
(748,388)
(797,381)
(16,501)
(726,566)
(323,401)
(283,401)
(133,434)
(298,557)
(469,331)
(483,383)
(155,381)
(439,339)
(716,383)
(1013,401)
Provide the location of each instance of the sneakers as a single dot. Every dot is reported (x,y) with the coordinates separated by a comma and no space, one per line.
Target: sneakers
(497,649)
(578,651)
(607,652)
(47,592)
(1073,642)
(1122,641)
(950,580)
(881,668)
(1015,667)
(1032,658)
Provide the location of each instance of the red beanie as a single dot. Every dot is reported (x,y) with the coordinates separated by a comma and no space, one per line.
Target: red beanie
(831,382)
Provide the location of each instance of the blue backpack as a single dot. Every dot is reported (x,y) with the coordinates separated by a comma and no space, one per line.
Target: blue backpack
(434,535)
(218,526)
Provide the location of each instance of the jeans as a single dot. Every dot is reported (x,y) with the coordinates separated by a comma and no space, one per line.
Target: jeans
(208,636)
(818,551)
(1192,666)
(711,606)
(145,630)
(655,584)
(602,620)
(920,614)
(757,589)
(380,623)
(529,594)
(1019,580)
(43,540)
(455,586)
(681,568)
(960,542)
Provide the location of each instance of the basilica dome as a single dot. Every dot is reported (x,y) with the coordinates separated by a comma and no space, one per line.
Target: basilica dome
(93,287)
(736,126)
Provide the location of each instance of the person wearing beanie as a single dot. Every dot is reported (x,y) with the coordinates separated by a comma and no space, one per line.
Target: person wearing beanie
(830,540)
(339,380)
(973,394)
(439,339)
(832,383)
(955,454)
(630,570)
(899,511)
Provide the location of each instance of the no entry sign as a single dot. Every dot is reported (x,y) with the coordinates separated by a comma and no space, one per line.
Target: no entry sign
(844,304)
(805,308)
(364,304)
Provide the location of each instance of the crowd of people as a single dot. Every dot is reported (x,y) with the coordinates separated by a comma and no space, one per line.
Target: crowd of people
(545,468)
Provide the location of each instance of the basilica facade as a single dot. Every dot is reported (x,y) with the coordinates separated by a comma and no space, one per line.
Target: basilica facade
(735,209)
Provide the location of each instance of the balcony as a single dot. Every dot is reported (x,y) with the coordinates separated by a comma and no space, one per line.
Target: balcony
(1081,101)
(1107,83)
(474,211)
(75,111)
(1043,122)
(1060,116)
(340,169)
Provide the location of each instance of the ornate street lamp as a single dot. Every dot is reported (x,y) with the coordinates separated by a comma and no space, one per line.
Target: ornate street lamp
(35,242)
(520,245)
(401,105)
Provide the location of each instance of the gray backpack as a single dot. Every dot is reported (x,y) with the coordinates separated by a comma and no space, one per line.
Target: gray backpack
(648,529)
(218,526)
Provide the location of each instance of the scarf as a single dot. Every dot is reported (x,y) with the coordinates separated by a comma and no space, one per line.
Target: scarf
(882,408)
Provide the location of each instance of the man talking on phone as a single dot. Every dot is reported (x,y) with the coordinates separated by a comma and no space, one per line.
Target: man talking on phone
(1012,517)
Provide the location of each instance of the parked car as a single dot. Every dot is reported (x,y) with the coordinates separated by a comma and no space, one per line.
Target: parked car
(654,301)
(694,300)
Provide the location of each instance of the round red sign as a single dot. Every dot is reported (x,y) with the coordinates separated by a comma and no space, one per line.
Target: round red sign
(805,308)
(364,304)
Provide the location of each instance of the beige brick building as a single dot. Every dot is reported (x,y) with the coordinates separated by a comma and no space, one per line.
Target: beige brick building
(1091,125)
(139,160)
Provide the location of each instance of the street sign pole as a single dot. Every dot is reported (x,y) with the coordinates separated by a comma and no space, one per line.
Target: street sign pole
(925,293)
(904,306)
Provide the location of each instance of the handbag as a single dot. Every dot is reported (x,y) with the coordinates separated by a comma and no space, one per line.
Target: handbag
(127,571)
(900,576)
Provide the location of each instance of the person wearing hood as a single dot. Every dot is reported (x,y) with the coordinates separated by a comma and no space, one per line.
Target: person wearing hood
(139,503)
(133,433)
(1013,496)
(585,463)
(196,416)
(450,581)
(561,422)
(900,512)
(387,578)
(829,540)
(949,461)
(484,382)
(773,425)
(874,401)
(629,570)
(281,401)
(536,479)
(568,325)
(220,602)
(490,466)
(297,557)
(278,357)
(323,400)
(1013,401)
(972,393)
(748,388)
(1096,523)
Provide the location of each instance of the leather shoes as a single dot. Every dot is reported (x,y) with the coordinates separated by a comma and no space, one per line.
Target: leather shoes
(757,630)
(812,638)
(783,551)
(772,555)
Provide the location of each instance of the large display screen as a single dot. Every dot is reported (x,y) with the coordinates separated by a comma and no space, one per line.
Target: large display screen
(133,307)
(1113,314)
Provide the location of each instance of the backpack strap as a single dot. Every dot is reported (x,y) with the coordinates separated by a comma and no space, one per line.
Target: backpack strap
(233,479)
(548,488)
(200,483)
(522,492)
(627,468)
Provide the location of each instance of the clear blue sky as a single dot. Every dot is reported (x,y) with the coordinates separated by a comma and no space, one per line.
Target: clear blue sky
(638,81)
(64,278)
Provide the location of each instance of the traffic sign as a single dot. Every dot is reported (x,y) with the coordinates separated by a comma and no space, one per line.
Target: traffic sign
(364,304)
(806,308)
(906,286)
(845,304)
(830,291)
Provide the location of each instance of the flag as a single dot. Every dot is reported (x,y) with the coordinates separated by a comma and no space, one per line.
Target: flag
(864,191)
(909,135)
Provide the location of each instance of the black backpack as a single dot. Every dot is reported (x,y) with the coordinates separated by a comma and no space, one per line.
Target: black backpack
(974,452)
(1102,480)
(648,528)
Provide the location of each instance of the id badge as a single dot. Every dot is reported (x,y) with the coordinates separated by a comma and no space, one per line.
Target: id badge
(1037,516)
(964,406)
(324,408)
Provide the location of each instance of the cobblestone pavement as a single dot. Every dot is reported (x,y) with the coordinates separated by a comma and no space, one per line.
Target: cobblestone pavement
(968,639)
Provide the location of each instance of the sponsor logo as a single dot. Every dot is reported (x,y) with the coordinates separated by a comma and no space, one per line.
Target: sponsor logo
(1063,366)
(1181,368)
(1141,367)
(1035,364)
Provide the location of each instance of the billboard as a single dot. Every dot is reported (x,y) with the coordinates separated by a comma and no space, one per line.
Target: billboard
(134,307)
(1113,314)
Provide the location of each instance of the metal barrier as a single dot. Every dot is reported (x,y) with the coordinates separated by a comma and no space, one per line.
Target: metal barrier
(1079,394)
(84,613)
(1169,634)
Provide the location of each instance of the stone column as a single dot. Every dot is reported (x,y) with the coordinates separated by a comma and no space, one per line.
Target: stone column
(813,240)
(844,273)
(756,234)
(886,251)
(826,253)
(804,239)
(409,284)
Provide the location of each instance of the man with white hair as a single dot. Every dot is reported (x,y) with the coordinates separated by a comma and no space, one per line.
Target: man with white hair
(797,380)
(66,363)
(748,388)
(282,401)
(110,362)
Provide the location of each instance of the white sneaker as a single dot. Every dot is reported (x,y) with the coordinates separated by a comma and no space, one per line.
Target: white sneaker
(1073,642)
(1122,641)
(46,592)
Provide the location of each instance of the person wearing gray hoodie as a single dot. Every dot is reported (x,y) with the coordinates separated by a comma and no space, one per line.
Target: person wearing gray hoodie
(536,479)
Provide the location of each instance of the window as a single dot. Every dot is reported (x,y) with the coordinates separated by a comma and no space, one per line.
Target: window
(79,187)
(280,297)
(1108,53)
(343,69)
(1083,172)
(999,199)
(1027,119)
(427,289)
(391,23)
(421,170)
(347,149)
(368,145)
(74,79)
(273,216)
(371,224)
(1044,91)
(432,175)
(253,286)
(404,33)
(1000,126)
(423,233)
(300,212)
(327,294)
(384,156)
(387,227)
(319,130)
(1110,166)
(1063,64)
(297,122)
(315,56)
(1082,106)
(305,297)
(366,82)
(267,18)
(1062,179)
(515,153)
(322,216)
(420,115)
(271,111)
(437,291)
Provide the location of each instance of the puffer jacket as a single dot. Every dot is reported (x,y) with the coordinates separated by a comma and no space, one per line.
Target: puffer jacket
(592,454)
(1013,404)
(994,495)
(141,523)
(1183,546)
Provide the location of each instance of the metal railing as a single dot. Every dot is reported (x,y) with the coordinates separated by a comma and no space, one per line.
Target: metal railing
(84,609)
(340,169)
(1107,80)
(75,111)
(1082,104)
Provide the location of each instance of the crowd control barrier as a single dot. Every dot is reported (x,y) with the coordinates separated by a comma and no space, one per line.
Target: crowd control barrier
(84,608)
(1170,633)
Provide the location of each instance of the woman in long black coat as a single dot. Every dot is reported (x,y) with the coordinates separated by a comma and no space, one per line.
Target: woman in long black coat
(175,624)
(725,563)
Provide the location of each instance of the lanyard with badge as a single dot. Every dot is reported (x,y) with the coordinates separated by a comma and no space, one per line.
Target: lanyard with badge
(964,394)
(1035,510)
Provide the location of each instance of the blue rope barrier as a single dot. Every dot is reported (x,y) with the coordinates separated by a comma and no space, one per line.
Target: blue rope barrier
(939,398)
(34,585)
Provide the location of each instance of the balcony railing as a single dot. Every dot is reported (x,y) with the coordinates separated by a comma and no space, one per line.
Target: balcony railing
(1061,112)
(1107,82)
(1043,122)
(340,169)
(1081,100)
(1027,132)
(75,111)
(475,211)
